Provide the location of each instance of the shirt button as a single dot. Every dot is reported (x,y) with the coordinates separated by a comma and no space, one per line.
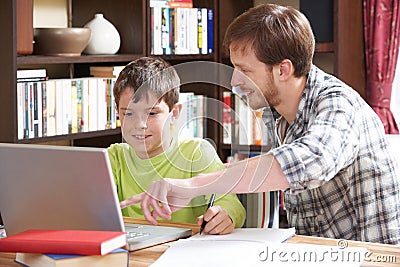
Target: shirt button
(294,210)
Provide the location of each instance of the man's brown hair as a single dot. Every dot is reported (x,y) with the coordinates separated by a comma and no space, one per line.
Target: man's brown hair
(274,33)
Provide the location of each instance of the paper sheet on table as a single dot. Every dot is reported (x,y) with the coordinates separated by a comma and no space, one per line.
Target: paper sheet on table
(247,247)
(251,234)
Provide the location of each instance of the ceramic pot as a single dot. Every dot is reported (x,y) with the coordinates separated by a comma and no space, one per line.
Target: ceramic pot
(104,39)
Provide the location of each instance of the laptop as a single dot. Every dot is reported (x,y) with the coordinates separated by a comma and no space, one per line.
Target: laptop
(61,187)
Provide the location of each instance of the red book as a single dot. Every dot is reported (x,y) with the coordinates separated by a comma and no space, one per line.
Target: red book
(82,242)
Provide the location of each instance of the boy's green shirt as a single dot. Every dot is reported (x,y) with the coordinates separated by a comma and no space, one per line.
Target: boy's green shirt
(183,159)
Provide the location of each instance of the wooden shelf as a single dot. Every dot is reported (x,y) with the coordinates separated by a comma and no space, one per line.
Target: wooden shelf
(37,59)
(71,136)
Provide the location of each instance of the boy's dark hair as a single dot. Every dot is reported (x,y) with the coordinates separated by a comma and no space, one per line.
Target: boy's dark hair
(148,75)
(275,33)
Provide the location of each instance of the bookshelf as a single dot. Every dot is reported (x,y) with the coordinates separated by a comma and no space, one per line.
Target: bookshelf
(133,21)
(132,18)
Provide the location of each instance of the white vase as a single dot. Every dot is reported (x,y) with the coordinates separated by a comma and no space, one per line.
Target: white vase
(104,39)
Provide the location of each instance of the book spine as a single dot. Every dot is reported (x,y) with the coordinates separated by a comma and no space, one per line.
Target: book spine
(210,31)
(59,106)
(193,31)
(93,99)
(157,11)
(258,125)
(51,108)
(74,107)
(165,31)
(31,79)
(85,105)
(31,73)
(181,46)
(79,85)
(20,109)
(204,45)
(227,118)
(44,109)
(31,110)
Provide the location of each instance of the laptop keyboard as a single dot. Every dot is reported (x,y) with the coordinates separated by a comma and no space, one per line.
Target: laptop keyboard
(130,236)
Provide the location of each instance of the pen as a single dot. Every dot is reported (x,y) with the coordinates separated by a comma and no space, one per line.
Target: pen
(210,204)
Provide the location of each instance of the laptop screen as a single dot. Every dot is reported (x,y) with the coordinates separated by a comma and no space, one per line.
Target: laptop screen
(57,187)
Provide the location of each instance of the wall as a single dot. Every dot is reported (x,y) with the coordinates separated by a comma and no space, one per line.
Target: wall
(50,13)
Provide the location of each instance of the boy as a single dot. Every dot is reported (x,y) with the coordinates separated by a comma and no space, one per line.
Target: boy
(146,95)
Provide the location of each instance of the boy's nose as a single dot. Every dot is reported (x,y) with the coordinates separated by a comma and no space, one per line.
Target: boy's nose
(140,123)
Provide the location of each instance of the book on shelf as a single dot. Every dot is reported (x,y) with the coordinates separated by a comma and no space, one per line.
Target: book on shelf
(171,3)
(241,124)
(227,120)
(116,258)
(105,71)
(31,75)
(82,242)
(65,106)
(210,31)
(181,30)
(180,3)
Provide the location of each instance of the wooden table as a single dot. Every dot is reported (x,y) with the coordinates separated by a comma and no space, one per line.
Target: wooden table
(381,254)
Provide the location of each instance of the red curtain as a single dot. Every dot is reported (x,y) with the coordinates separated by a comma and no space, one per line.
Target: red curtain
(381,34)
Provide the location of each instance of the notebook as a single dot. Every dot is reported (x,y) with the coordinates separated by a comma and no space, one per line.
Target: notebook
(60,187)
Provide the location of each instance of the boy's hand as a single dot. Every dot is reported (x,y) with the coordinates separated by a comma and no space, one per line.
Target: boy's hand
(218,221)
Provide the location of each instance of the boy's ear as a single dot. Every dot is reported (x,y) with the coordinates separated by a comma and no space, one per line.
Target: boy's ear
(176,110)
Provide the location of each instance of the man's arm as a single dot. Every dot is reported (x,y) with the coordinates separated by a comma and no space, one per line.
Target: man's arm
(256,174)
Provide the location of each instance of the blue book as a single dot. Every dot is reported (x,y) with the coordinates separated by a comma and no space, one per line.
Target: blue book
(117,258)
(210,31)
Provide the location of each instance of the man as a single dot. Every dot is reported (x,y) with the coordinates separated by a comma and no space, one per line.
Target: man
(340,181)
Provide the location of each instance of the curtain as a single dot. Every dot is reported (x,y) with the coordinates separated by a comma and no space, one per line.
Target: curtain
(395,99)
(381,35)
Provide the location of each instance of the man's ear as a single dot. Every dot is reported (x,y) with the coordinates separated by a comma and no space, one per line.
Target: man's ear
(286,69)
(176,110)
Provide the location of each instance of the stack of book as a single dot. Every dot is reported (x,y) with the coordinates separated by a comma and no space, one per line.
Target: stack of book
(31,75)
(67,248)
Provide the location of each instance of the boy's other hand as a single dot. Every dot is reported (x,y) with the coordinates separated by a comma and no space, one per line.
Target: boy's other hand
(218,221)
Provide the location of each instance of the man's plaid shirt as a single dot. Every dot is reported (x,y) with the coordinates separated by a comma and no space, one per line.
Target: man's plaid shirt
(343,181)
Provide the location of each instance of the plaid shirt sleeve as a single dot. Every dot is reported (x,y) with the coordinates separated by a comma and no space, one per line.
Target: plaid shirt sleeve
(329,144)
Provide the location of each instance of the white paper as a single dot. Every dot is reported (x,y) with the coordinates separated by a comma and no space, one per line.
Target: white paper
(255,247)
(271,235)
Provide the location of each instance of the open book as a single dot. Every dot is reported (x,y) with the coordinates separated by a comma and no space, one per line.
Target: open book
(255,247)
